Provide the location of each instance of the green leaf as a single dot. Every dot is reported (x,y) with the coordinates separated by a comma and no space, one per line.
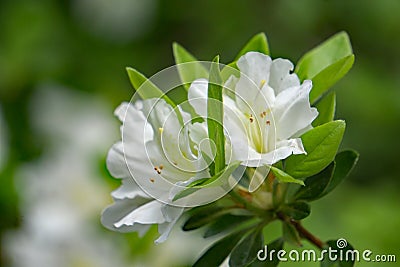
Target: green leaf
(326,109)
(257,43)
(346,261)
(327,180)
(290,234)
(283,177)
(329,52)
(297,210)
(145,88)
(224,224)
(345,162)
(315,185)
(192,70)
(217,180)
(215,114)
(218,252)
(246,250)
(326,64)
(321,145)
(329,76)
(202,216)
(265,260)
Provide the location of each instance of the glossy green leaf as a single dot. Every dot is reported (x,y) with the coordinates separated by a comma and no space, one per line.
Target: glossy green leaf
(145,88)
(258,43)
(215,114)
(345,162)
(189,67)
(329,52)
(283,177)
(326,64)
(327,180)
(246,250)
(346,261)
(329,76)
(290,234)
(204,215)
(268,259)
(217,180)
(297,210)
(316,184)
(321,145)
(225,224)
(219,251)
(326,109)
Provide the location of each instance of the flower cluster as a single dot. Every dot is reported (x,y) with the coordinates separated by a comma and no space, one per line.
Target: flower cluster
(246,132)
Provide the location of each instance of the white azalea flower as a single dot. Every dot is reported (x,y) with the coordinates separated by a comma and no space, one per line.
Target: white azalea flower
(270,110)
(154,159)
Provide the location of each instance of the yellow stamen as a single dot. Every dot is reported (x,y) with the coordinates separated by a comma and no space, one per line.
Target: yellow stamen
(262,83)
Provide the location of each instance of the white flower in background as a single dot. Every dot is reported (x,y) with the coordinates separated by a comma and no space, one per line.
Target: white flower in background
(61,194)
(155,154)
(270,110)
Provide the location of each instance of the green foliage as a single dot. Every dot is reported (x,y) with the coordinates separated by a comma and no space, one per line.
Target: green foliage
(225,223)
(189,67)
(326,64)
(257,43)
(339,250)
(215,115)
(297,210)
(290,234)
(217,180)
(246,250)
(324,182)
(218,252)
(145,88)
(204,215)
(321,145)
(284,177)
(329,76)
(275,245)
(326,109)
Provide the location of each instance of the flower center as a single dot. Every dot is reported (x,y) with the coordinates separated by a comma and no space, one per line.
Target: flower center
(258,129)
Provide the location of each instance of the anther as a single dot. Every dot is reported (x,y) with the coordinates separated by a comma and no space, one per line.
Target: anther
(262,83)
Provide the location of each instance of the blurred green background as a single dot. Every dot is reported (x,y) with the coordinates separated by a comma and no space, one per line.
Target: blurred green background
(60,60)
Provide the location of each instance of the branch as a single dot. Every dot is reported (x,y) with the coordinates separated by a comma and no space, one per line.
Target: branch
(302,231)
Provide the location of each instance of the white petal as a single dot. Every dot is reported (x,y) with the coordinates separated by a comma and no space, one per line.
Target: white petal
(197,96)
(117,211)
(116,164)
(281,78)
(133,120)
(252,91)
(128,189)
(255,66)
(173,214)
(292,110)
(149,213)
